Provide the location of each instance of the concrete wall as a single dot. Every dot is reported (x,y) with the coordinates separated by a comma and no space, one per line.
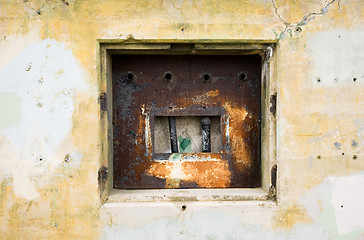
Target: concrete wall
(50,119)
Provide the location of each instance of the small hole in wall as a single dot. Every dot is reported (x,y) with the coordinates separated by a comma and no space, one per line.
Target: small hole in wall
(40,158)
(343,154)
(28,67)
(298,29)
(342,206)
(130,76)
(355,157)
(206,77)
(168,77)
(318,156)
(318,80)
(354,79)
(242,76)
(184,207)
(67,158)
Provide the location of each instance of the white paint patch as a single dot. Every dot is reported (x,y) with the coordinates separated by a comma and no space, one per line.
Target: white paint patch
(177,171)
(147,132)
(237,220)
(337,56)
(348,203)
(337,205)
(227,131)
(200,220)
(46,77)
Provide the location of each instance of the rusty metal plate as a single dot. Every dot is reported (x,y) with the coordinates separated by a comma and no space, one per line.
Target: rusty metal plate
(146,86)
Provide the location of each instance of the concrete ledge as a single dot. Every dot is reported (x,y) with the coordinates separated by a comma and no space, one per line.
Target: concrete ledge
(181,195)
(121,217)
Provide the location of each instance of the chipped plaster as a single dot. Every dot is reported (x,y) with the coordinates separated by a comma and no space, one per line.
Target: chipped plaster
(53,199)
(290,27)
(43,81)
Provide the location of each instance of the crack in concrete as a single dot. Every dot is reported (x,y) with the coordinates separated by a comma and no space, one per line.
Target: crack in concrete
(39,10)
(290,27)
(184,23)
(177,8)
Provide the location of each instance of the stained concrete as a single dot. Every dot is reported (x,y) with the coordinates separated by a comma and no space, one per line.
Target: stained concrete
(50,65)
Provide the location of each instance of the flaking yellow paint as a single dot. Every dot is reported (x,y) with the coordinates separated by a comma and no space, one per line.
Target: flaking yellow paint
(311,115)
(287,217)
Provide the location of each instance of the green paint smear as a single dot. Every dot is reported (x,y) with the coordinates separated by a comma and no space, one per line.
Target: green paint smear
(174,156)
(185,144)
(10,108)
(327,217)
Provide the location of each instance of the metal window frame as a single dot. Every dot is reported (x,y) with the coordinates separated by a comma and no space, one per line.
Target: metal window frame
(108,47)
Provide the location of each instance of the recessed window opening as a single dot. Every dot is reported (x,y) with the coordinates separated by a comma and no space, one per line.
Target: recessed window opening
(190,134)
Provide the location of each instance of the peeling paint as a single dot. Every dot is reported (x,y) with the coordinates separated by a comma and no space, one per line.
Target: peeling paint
(336,204)
(290,28)
(51,149)
(38,131)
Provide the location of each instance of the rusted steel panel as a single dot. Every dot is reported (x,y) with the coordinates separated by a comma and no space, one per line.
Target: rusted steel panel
(145,86)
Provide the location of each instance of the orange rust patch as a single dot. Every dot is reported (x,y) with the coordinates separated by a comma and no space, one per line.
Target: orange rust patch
(160,169)
(213,93)
(204,97)
(199,99)
(241,152)
(236,133)
(237,114)
(204,174)
(210,174)
(200,156)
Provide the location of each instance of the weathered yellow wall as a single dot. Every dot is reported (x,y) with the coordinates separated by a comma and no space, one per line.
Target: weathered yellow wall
(50,125)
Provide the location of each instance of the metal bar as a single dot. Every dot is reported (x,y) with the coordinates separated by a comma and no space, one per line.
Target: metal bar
(206,136)
(173,134)
(188,111)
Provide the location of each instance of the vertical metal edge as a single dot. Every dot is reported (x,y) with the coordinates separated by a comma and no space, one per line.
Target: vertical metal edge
(173,134)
